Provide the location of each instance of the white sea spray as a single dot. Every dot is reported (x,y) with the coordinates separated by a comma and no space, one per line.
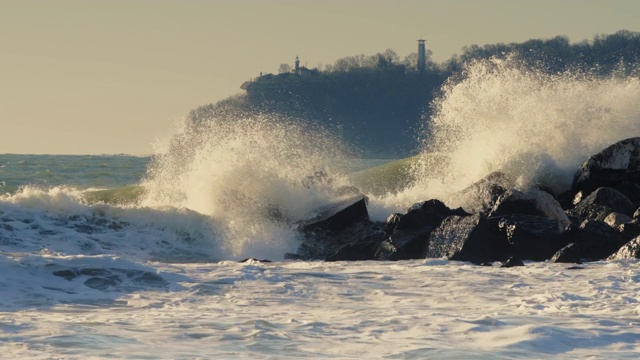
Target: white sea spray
(535,127)
(255,176)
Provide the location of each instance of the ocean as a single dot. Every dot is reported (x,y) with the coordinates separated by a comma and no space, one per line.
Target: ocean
(118,256)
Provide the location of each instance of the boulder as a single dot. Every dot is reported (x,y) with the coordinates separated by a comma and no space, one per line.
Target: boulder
(628,231)
(631,191)
(617,164)
(533,202)
(631,250)
(482,195)
(339,232)
(409,233)
(391,223)
(426,213)
(568,254)
(594,240)
(338,216)
(602,202)
(405,244)
(532,237)
(357,243)
(565,199)
(467,238)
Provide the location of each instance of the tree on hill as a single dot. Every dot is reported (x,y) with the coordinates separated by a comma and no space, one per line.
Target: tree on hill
(284,68)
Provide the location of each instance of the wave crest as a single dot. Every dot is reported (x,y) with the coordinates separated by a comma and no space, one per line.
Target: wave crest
(254,175)
(537,128)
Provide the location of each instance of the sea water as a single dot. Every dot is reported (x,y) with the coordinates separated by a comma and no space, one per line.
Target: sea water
(137,257)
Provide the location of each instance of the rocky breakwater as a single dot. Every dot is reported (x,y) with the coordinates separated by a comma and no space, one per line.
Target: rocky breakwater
(598,218)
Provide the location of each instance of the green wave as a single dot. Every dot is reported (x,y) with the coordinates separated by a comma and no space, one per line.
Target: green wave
(124,195)
(386,178)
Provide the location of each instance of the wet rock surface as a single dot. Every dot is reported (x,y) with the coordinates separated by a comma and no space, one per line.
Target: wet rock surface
(599,218)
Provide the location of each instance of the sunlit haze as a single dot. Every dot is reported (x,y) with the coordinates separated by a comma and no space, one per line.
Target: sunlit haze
(88,77)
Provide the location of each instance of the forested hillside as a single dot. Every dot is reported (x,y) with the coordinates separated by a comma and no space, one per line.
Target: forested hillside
(380,103)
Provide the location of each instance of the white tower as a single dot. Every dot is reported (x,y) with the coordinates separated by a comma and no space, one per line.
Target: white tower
(422,56)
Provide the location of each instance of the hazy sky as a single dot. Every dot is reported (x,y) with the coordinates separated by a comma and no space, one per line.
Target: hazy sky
(94,77)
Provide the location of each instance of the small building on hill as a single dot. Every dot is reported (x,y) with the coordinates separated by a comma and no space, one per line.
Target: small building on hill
(302,70)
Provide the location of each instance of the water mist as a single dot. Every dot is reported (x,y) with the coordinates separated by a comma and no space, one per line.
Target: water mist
(254,176)
(535,127)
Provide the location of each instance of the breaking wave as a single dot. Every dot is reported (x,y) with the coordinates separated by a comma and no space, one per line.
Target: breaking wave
(255,176)
(537,128)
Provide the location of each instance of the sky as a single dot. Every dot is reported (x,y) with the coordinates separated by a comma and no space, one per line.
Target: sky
(116,77)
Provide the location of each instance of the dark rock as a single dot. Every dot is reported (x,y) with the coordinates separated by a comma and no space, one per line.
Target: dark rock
(631,191)
(512,262)
(566,200)
(628,231)
(482,195)
(337,217)
(532,237)
(405,244)
(575,221)
(467,238)
(339,225)
(409,233)
(602,202)
(426,213)
(568,254)
(615,165)
(631,250)
(387,251)
(352,252)
(392,222)
(594,240)
(357,243)
(533,202)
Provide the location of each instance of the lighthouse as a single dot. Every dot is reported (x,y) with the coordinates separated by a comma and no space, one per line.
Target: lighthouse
(422,56)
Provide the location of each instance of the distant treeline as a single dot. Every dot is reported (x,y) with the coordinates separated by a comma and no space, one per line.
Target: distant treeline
(378,102)
(603,55)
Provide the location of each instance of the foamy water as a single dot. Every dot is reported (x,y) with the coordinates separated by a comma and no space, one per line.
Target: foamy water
(403,310)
